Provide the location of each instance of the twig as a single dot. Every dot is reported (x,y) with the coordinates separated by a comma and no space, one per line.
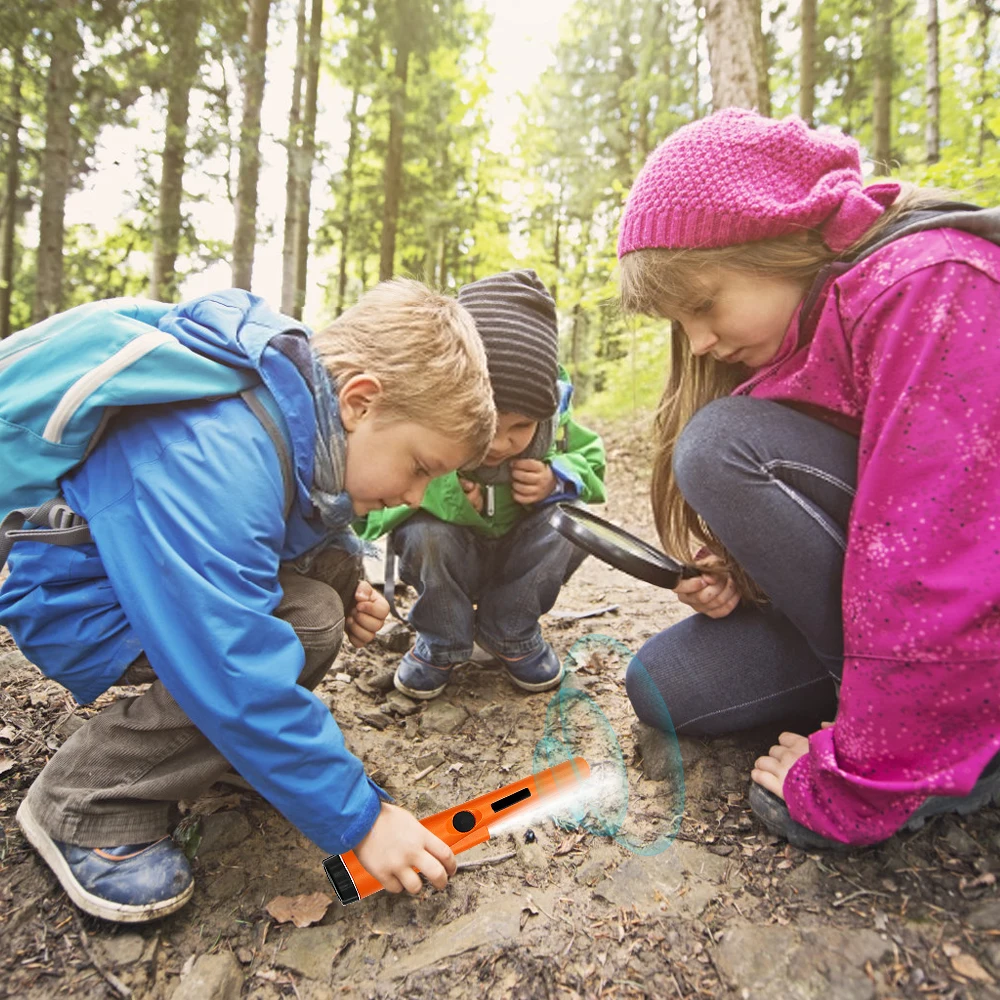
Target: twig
(424,772)
(854,895)
(495,859)
(109,977)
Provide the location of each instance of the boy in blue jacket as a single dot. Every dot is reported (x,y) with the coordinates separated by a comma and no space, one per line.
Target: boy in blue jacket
(480,552)
(198,581)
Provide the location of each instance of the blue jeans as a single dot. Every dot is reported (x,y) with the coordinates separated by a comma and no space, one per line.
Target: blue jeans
(776,487)
(473,588)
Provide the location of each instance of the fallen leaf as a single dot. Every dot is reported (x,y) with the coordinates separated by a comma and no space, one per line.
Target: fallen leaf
(966,965)
(8,733)
(527,911)
(5,764)
(300,910)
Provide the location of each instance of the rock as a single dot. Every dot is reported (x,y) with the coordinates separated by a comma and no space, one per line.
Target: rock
(429,760)
(986,916)
(310,951)
(394,636)
(378,720)
(216,976)
(381,680)
(123,949)
(11,664)
(810,963)
(661,759)
(443,717)
(489,925)
(590,874)
(228,884)
(961,843)
(400,704)
(649,881)
(223,830)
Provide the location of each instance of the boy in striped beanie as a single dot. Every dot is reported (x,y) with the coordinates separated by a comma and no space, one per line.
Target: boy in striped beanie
(479,551)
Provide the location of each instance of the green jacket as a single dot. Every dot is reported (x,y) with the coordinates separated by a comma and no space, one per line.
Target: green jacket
(576,457)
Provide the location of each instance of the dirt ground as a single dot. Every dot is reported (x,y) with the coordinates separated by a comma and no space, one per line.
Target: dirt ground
(725,911)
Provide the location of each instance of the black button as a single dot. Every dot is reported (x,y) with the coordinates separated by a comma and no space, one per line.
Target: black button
(463,821)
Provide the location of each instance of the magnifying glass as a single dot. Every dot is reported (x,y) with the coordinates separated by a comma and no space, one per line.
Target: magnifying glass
(617,547)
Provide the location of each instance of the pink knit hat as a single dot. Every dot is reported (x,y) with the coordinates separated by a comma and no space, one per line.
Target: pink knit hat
(736,176)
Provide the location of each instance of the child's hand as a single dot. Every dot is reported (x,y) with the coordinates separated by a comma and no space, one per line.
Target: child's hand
(712,594)
(531,480)
(397,844)
(473,493)
(367,616)
(770,772)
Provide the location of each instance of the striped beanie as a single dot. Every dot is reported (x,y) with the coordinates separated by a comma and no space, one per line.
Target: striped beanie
(516,319)
(736,176)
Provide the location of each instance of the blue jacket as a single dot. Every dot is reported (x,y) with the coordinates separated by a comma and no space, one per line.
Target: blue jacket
(185,504)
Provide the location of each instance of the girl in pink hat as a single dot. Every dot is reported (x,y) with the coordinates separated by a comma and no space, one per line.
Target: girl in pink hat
(829,439)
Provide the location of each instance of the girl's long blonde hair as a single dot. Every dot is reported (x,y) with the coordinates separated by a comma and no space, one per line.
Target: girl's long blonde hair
(661,282)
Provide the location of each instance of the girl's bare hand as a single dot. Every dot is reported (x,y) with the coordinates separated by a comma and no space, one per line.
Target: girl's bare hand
(711,594)
(771,770)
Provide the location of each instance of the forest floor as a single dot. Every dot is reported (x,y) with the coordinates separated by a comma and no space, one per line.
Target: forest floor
(726,911)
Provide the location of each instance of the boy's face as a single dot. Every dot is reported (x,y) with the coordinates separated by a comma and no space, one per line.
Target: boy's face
(390,462)
(514,434)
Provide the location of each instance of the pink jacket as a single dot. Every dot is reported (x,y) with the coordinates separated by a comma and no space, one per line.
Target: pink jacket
(905,352)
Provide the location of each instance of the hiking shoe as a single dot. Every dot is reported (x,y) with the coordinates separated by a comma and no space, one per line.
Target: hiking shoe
(538,671)
(418,679)
(984,792)
(773,812)
(128,884)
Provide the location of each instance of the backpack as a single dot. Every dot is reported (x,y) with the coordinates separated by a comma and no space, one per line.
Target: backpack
(61,382)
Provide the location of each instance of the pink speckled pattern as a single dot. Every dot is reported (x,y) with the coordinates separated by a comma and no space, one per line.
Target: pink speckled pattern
(906,350)
(768,178)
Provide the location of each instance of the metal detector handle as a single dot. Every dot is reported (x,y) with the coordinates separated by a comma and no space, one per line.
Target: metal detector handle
(461,827)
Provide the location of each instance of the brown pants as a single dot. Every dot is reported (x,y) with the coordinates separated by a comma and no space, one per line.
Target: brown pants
(118,778)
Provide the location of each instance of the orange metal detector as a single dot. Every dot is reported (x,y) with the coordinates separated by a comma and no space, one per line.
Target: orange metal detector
(464,826)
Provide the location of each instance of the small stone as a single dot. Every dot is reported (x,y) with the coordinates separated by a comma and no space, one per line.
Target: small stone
(400,704)
(394,636)
(429,760)
(382,680)
(986,916)
(377,720)
(310,950)
(217,976)
(124,949)
(443,717)
(343,678)
(223,830)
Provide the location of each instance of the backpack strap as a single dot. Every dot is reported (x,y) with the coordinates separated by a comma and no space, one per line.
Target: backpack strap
(56,523)
(266,410)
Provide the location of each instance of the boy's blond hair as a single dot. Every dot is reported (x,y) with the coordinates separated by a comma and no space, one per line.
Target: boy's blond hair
(424,350)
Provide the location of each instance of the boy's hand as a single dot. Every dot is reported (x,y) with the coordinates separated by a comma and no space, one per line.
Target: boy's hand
(473,493)
(712,594)
(531,480)
(397,844)
(367,616)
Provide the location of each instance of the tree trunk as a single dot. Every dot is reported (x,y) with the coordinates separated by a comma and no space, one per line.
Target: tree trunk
(9,220)
(185,58)
(807,63)
(737,55)
(882,86)
(294,168)
(308,156)
(932,126)
(56,159)
(245,235)
(985,93)
(393,176)
(348,200)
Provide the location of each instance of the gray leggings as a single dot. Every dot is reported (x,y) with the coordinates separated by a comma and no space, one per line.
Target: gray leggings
(776,487)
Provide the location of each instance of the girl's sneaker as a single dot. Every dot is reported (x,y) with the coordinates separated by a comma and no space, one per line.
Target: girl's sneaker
(130,884)
(538,671)
(418,679)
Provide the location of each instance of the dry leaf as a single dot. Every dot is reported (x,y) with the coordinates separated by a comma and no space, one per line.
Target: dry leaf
(527,911)
(5,764)
(8,733)
(301,910)
(966,965)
